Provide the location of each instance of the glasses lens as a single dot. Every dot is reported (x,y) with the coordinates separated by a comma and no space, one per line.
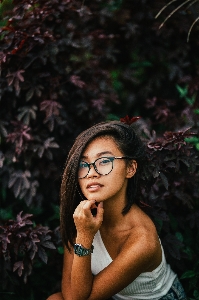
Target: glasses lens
(104,165)
(83,169)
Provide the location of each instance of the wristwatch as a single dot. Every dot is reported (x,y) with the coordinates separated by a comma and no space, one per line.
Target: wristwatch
(81,251)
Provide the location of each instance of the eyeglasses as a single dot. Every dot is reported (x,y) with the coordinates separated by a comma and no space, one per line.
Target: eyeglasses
(102,165)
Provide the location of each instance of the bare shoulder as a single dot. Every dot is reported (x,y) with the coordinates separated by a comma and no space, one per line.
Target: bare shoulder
(142,223)
(143,240)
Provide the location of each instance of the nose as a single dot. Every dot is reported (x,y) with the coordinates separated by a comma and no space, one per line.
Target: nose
(92,172)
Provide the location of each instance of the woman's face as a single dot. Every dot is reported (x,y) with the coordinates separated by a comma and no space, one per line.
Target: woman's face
(105,187)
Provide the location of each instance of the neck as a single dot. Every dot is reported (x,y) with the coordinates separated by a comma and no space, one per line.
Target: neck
(113,216)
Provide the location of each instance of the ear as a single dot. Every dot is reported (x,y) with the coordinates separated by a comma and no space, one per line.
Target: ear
(131,168)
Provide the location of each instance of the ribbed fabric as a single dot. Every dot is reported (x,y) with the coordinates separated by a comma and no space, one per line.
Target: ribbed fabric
(148,285)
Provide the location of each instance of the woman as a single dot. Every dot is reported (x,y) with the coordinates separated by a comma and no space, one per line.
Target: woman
(111,246)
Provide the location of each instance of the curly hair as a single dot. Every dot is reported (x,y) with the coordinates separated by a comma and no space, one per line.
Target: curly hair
(129,144)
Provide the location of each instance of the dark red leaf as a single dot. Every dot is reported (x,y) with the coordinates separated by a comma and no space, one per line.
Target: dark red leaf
(77,81)
(129,120)
(18,266)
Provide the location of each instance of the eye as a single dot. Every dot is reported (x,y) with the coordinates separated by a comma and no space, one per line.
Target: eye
(104,161)
(83,165)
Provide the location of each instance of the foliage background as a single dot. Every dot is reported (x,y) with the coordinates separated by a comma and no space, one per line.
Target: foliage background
(66,65)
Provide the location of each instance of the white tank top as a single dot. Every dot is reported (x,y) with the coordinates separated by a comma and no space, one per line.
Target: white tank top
(148,285)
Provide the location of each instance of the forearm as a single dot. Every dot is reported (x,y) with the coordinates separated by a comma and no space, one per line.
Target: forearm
(81,275)
(86,225)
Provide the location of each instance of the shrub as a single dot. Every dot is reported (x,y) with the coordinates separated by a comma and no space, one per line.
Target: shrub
(20,244)
(66,65)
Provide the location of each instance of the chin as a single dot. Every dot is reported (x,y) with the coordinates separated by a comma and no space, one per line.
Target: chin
(94,197)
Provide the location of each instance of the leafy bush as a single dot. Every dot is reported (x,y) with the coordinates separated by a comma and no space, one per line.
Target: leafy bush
(66,65)
(22,246)
(18,237)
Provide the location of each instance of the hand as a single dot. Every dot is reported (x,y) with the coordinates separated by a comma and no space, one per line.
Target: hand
(86,224)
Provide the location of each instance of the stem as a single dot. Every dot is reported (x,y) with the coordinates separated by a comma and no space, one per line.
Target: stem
(164,8)
(192,3)
(176,9)
(191,28)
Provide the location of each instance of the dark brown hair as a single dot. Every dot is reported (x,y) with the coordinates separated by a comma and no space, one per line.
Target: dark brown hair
(129,144)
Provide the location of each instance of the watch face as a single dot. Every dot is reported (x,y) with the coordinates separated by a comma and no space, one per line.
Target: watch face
(77,250)
(81,251)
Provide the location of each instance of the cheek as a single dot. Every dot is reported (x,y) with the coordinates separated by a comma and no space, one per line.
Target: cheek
(84,191)
(118,180)
(119,174)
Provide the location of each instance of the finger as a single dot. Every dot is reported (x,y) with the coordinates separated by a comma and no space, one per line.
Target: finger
(94,205)
(78,210)
(88,206)
(80,205)
(100,212)
(101,204)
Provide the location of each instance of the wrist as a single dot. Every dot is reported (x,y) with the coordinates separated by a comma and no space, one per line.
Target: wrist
(84,240)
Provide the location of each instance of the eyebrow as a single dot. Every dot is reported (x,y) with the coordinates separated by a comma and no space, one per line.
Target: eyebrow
(100,154)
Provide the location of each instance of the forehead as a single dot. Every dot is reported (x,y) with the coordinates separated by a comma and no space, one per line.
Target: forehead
(100,146)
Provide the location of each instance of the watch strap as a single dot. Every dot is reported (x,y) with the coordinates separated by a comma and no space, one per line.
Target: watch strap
(82,251)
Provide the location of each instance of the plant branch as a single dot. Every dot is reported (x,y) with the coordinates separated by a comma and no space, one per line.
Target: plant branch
(192,3)
(176,9)
(159,13)
(191,28)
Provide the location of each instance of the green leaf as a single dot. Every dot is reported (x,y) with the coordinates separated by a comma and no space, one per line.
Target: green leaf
(196,111)
(114,5)
(173,222)
(56,210)
(193,139)
(188,274)
(190,101)
(112,117)
(6,214)
(196,294)
(182,92)
(60,250)
(114,74)
(117,85)
(141,64)
(179,236)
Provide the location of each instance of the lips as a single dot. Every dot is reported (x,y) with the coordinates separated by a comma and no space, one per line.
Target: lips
(93,186)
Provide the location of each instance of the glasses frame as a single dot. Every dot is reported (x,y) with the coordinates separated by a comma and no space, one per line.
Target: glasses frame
(112,158)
